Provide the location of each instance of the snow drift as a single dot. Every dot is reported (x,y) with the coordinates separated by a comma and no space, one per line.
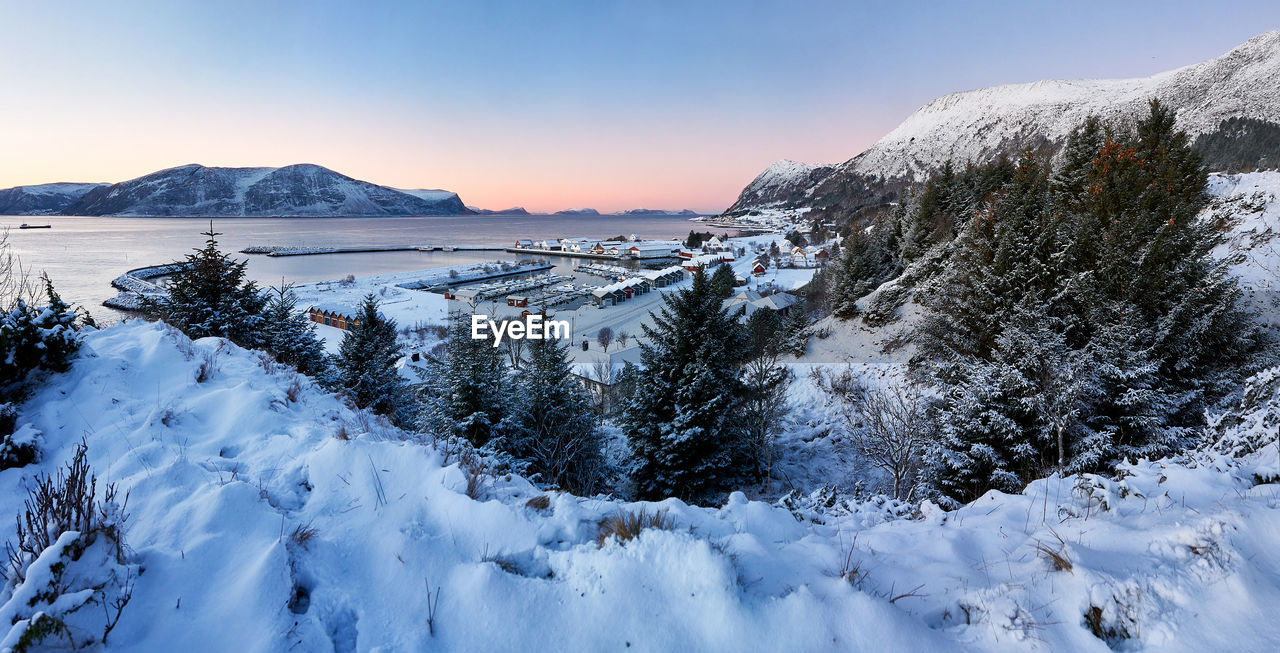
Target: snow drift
(266,515)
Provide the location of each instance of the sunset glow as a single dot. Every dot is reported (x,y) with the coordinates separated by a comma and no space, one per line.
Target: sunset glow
(607,105)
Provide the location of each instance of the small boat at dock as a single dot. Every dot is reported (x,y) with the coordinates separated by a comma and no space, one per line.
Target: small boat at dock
(35,226)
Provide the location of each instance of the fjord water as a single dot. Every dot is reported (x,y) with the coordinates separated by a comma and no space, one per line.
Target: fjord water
(83,254)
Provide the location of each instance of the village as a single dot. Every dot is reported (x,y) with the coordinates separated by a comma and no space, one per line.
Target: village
(605,289)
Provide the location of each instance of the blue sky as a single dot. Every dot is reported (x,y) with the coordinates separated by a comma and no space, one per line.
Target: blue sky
(547,104)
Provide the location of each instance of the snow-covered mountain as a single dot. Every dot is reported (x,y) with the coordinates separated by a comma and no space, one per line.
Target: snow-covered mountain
(295,190)
(657,212)
(981,124)
(585,211)
(42,199)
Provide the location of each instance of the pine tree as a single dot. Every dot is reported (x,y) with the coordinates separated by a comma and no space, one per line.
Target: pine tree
(864,264)
(210,297)
(683,418)
(468,393)
(366,363)
(291,336)
(796,329)
(561,438)
(724,281)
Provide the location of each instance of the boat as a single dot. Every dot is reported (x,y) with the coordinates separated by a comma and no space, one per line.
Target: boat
(35,226)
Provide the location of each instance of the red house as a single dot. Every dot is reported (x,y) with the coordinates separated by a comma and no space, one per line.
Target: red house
(518,301)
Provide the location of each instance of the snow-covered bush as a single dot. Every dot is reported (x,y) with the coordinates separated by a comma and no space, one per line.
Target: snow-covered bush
(31,338)
(67,578)
(17,445)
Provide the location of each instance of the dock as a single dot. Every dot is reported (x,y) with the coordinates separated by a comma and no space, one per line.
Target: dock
(556,252)
(286,250)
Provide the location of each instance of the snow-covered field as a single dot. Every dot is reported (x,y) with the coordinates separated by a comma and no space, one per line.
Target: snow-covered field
(221,473)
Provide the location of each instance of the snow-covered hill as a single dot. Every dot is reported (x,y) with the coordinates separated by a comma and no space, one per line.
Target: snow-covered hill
(269,516)
(296,190)
(42,199)
(981,124)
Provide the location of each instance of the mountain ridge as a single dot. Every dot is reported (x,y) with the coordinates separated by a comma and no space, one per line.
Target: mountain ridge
(194,190)
(981,124)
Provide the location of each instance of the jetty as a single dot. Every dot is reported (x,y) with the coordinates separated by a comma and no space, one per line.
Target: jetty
(136,285)
(289,250)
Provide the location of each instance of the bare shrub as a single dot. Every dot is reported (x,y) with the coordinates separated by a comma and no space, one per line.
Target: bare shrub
(61,504)
(294,390)
(16,282)
(890,425)
(623,525)
(540,502)
(208,366)
(477,477)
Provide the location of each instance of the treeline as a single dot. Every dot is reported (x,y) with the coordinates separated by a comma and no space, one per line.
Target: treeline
(1075,317)
(1241,145)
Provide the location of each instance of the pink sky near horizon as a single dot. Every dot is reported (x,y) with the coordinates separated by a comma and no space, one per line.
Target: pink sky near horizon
(547,105)
(546,169)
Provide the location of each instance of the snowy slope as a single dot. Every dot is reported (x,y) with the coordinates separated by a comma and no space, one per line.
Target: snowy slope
(980,124)
(296,190)
(974,125)
(42,199)
(1177,556)
(783,183)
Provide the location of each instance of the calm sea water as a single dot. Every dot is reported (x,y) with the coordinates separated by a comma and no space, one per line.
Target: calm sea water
(83,254)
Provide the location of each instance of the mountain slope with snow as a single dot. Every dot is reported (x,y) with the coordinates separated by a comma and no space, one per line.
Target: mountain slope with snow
(296,190)
(42,199)
(225,467)
(982,124)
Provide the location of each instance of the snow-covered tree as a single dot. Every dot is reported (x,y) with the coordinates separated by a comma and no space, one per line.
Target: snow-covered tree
(210,296)
(560,437)
(683,417)
(291,336)
(366,363)
(865,262)
(468,391)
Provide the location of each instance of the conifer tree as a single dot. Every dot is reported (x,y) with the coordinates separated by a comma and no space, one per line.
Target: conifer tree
(468,393)
(291,336)
(366,363)
(724,281)
(561,438)
(863,265)
(210,297)
(683,418)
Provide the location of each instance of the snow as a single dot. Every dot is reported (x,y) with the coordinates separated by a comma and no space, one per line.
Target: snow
(968,126)
(1177,553)
(977,124)
(429,194)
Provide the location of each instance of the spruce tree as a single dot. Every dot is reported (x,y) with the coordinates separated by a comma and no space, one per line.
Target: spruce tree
(864,264)
(366,363)
(683,418)
(468,392)
(724,281)
(209,296)
(291,336)
(561,438)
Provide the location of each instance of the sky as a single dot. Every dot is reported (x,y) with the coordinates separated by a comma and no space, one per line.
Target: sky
(542,104)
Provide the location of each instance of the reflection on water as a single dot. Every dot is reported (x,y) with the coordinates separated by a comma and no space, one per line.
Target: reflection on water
(83,255)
